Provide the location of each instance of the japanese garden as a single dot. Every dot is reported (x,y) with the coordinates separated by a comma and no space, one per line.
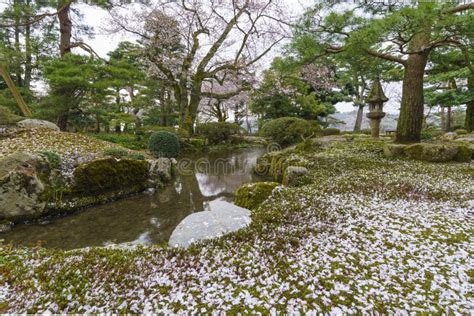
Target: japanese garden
(236,157)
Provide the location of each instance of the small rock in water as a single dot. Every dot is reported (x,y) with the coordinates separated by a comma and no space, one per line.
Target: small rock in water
(222,218)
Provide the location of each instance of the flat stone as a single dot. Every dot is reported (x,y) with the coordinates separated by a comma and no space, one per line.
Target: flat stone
(221,218)
(35,123)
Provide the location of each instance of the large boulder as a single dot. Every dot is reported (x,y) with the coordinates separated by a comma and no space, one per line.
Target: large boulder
(110,174)
(221,218)
(24,184)
(34,123)
(439,152)
(251,195)
(293,174)
(394,150)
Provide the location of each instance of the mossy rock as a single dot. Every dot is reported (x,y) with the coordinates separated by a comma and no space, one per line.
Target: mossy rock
(293,175)
(439,152)
(394,150)
(109,174)
(251,195)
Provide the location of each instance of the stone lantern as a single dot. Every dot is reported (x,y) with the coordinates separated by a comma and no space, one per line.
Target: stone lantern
(376,99)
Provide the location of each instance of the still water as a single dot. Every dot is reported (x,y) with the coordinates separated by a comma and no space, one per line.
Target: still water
(147,218)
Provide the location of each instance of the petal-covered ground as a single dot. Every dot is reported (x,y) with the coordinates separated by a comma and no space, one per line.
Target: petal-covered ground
(363,233)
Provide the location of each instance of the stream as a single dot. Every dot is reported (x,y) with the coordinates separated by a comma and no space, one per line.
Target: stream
(147,218)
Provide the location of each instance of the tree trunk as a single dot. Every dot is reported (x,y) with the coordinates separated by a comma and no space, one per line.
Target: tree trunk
(18,62)
(410,121)
(358,122)
(28,52)
(443,119)
(187,123)
(449,120)
(62,120)
(469,122)
(65,30)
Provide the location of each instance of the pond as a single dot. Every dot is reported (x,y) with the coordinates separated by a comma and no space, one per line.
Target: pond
(147,218)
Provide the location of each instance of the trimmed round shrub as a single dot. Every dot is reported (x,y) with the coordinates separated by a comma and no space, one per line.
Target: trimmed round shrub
(164,144)
(218,132)
(330,131)
(287,130)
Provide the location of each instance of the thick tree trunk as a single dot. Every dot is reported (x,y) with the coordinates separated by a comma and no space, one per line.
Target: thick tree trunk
(187,123)
(358,122)
(65,30)
(469,122)
(410,121)
(62,120)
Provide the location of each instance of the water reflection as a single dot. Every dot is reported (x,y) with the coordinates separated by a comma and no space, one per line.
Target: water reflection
(146,218)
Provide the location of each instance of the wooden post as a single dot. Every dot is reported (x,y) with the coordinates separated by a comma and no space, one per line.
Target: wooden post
(19,99)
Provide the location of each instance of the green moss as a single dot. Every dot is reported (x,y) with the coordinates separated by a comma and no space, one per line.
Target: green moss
(439,152)
(109,175)
(464,154)
(252,195)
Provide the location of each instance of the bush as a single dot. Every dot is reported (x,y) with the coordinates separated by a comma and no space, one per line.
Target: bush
(330,131)
(53,158)
(461,131)
(218,132)
(7,117)
(426,134)
(164,144)
(116,152)
(287,130)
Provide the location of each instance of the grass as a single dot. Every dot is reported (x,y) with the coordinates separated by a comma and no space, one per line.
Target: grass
(364,234)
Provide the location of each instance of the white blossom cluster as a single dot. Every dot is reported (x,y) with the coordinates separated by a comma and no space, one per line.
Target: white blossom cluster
(366,235)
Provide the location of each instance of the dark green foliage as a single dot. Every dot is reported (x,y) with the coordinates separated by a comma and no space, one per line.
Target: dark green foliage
(116,152)
(287,130)
(7,117)
(130,141)
(330,131)
(164,144)
(136,156)
(426,134)
(53,158)
(109,174)
(218,132)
